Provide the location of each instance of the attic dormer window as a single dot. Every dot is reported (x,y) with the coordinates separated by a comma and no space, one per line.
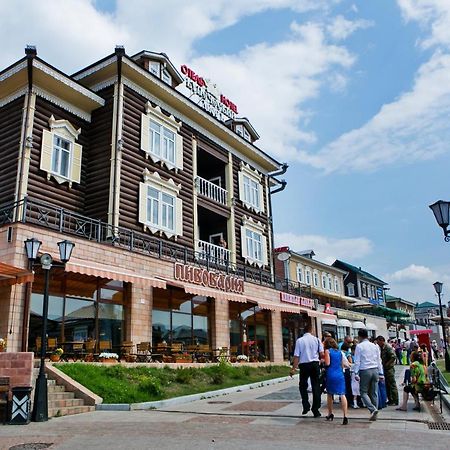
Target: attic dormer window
(241,130)
(154,67)
(166,77)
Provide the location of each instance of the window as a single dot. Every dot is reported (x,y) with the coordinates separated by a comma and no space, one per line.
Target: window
(160,138)
(316,279)
(336,284)
(324,281)
(330,283)
(254,249)
(308,276)
(251,192)
(154,68)
(300,273)
(351,289)
(247,136)
(160,209)
(250,188)
(253,242)
(364,289)
(61,156)
(166,77)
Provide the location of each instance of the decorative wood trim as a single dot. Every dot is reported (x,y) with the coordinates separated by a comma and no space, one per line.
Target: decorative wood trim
(68,82)
(13,70)
(62,103)
(95,68)
(10,98)
(104,84)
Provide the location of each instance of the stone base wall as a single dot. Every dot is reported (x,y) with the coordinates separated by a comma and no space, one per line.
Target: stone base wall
(18,367)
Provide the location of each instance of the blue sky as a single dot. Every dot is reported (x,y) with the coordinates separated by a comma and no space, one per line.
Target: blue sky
(354,95)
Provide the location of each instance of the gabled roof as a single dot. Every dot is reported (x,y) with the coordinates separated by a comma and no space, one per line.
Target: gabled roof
(359,271)
(426,305)
(390,298)
(244,121)
(162,57)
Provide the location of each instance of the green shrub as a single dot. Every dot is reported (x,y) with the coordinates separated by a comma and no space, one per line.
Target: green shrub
(184,376)
(150,385)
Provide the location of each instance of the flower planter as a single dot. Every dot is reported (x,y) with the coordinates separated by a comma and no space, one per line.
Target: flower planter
(182,360)
(55,358)
(108,360)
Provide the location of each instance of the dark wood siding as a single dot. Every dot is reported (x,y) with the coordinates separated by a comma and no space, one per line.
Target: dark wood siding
(134,162)
(98,170)
(240,211)
(50,190)
(10,128)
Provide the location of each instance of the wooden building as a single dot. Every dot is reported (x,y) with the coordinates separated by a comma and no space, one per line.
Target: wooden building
(168,201)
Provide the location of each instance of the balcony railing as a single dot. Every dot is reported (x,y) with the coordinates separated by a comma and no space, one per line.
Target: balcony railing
(207,251)
(46,215)
(211,191)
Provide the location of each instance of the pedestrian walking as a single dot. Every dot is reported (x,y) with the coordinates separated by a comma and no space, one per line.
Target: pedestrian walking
(335,362)
(388,359)
(407,346)
(307,355)
(345,349)
(368,371)
(356,403)
(398,351)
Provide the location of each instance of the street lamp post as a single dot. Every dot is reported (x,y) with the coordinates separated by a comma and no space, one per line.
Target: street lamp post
(32,246)
(438,289)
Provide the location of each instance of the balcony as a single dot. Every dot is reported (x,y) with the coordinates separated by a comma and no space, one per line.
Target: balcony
(212,191)
(214,253)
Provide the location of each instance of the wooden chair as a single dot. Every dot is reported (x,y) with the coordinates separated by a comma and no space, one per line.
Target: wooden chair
(90,350)
(143,352)
(52,344)
(4,397)
(77,350)
(126,351)
(176,348)
(104,346)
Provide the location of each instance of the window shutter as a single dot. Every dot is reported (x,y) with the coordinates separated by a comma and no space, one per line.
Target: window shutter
(261,197)
(145,131)
(179,217)
(241,186)
(75,175)
(243,243)
(46,151)
(143,202)
(264,250)
(179,151)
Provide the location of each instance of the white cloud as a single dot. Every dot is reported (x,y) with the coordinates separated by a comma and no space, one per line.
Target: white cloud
(341,28)
(272,82)
(327,249)
(412,273)
(413,128)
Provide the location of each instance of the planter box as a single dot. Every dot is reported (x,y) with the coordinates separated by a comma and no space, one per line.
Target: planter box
(108,360)
(181,360)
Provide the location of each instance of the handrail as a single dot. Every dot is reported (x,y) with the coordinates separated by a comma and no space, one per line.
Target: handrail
(211,190)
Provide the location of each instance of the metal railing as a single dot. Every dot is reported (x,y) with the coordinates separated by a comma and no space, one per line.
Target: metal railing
(211,191)
(46,215)
(206,251)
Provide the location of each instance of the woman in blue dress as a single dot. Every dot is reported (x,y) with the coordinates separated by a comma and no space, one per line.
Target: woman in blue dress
(335,362)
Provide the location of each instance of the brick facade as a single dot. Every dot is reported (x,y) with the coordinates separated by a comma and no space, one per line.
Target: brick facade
(18,367)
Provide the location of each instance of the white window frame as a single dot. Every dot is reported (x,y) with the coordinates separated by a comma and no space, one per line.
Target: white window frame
(61,129)
(147,204)
(249,230)
(155,128)
(330,283)
(154,67)
(251,188)
(324,281)
(165,76)
(316,278)
(308,277)
(351,289)
(337,287)
(300,274)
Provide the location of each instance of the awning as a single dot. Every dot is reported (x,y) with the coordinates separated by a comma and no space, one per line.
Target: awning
(417,332)
(10,275)
(344,323)
(357,325)
(214,293)
(330,321)
(99,270)
(371,326)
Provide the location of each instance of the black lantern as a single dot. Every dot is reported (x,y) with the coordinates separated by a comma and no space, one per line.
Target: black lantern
(441,211)
(438,287)
(65,250)
(32,247)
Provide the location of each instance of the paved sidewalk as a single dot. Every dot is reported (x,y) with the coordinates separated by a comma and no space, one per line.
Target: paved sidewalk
(262,418)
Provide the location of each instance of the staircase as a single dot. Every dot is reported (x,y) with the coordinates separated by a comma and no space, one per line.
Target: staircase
(63,403)
(60,401)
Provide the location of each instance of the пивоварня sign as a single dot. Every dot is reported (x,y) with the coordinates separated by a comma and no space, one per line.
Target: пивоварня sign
(204,277)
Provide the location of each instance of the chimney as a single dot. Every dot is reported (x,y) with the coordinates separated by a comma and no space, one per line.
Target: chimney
(30,51)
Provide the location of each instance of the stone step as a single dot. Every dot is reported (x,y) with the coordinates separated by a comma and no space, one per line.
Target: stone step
(51,382)
(69,410)
(61,395)
(55,388)
(65,403)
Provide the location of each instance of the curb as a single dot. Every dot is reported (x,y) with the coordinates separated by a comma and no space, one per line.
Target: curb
(186,398)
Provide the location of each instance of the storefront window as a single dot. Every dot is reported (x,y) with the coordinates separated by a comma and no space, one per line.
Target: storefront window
(179,317)
(293,326)
(249,334)
(81,308)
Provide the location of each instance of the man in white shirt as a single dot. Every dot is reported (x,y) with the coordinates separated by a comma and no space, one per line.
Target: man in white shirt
(307,355)
(368,371)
